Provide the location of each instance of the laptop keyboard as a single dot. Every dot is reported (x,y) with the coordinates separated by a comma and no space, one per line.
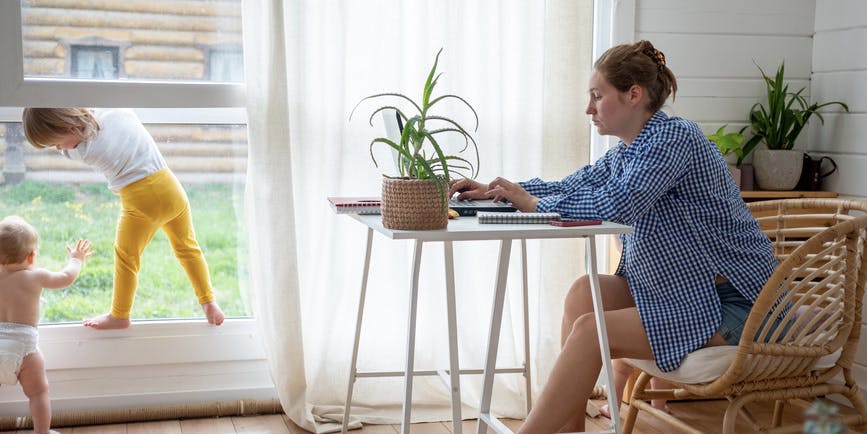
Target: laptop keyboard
(471,207)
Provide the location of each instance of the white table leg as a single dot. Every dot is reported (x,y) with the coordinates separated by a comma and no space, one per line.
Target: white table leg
(494,333)
(410,338)
(352,366)
(454,363)
(526,293)
(599,313)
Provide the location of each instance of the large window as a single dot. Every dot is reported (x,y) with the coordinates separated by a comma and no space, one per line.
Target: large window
(122,50)
(162,39)
(65,199)
(151,56)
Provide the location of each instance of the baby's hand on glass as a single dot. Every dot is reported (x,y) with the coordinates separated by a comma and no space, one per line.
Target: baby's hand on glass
(81,251)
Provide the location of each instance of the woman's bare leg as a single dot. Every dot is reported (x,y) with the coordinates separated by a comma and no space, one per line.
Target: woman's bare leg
(622,371)
(579,301)
(578,366)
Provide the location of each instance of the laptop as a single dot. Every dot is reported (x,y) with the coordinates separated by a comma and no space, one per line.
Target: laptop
(471,207)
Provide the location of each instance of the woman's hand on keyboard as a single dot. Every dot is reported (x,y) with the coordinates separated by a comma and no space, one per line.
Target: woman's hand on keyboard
(469,189)
(503,189)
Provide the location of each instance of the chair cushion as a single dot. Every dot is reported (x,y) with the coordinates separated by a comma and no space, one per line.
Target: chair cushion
(708,364)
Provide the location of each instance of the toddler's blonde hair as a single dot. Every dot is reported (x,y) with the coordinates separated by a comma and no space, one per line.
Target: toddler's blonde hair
(43,126)
(17,240)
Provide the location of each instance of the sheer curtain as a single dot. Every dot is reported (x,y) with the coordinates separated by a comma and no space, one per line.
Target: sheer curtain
(522,65)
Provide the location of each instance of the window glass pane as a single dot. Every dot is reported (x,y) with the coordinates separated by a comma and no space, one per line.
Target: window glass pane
(94,62)
(66,200)
(226,65)
(151,39)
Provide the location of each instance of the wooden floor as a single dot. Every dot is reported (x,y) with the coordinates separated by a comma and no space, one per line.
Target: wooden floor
(704,415)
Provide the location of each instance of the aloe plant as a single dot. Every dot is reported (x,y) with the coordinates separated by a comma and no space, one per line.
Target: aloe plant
(780,122)
(420,154)
(729,143)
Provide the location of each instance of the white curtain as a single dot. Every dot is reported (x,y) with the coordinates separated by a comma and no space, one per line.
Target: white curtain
(307,64)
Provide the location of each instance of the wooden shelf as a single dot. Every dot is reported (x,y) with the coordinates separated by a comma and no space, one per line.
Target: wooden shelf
(753,195)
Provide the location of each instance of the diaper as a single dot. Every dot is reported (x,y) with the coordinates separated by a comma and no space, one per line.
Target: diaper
(16,342)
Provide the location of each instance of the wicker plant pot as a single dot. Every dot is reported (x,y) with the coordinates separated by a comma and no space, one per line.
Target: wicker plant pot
(412,204)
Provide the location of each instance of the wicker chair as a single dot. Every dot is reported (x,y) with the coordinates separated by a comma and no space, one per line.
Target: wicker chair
(815,297)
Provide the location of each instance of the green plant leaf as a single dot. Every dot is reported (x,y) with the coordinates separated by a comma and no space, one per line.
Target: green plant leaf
(783,119)
(421,153)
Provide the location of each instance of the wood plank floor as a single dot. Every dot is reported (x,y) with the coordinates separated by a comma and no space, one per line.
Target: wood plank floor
(704,415)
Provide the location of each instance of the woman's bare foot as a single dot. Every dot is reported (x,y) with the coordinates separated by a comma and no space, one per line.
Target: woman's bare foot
(661,405)
(603,410)
(107,322)
(213,313)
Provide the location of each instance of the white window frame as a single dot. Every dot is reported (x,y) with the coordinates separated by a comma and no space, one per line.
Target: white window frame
(153,362)
(18,91)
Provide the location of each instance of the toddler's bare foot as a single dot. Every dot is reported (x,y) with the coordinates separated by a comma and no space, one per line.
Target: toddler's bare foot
(107,322)
(213,313)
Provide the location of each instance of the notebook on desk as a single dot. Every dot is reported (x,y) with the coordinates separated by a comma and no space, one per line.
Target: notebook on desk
(471,207)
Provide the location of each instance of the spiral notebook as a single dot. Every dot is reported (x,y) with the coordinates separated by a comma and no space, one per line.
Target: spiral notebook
(355,205)
(517,217)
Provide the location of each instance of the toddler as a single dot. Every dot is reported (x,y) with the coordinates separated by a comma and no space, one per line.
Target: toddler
(115,143)
(21,284)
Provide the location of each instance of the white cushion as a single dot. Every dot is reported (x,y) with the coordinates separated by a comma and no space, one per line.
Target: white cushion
(708,364)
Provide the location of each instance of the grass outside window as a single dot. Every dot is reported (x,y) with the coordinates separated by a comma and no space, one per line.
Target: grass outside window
(64,213)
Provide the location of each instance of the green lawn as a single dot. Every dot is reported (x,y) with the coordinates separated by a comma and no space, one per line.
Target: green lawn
(63,213)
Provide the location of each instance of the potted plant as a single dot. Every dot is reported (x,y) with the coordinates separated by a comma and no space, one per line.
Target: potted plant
(777,125)
(416,198)
(730,145)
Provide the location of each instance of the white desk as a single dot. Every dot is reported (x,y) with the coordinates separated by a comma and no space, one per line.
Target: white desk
(468,229)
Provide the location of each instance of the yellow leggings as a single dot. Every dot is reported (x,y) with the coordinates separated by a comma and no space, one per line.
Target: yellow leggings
(157,201)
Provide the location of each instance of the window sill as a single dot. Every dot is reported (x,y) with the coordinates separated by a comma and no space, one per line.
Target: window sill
(151,363)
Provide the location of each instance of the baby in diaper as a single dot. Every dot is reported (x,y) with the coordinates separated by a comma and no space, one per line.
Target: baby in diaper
(21,284)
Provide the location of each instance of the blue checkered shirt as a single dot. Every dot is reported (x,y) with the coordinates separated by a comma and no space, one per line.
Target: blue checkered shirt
(690,225)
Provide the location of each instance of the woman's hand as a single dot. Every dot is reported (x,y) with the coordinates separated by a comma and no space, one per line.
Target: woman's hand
(501,188)
(469,189)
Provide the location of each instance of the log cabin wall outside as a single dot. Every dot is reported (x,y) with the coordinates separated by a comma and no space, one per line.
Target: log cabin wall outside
(152,40)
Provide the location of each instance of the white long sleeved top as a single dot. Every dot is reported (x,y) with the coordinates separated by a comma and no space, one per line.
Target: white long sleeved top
(122,149)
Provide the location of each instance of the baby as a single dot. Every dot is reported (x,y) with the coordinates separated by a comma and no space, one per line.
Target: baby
(21,284)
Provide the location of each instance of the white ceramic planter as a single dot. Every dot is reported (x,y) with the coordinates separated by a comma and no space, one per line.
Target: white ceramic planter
(777,169)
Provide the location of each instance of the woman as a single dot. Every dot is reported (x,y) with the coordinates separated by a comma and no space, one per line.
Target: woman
(692,268)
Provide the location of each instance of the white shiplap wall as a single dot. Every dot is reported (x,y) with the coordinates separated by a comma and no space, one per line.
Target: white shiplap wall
(840,74)
(711,46)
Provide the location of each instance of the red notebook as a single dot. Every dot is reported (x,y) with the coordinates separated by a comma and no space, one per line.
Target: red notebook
(355,205)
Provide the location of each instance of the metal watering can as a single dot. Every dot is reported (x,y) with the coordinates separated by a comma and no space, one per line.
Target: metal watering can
(812,173)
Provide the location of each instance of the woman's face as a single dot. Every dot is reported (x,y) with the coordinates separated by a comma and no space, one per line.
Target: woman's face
(608,107)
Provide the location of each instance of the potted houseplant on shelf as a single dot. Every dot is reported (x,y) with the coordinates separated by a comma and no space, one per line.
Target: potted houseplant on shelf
(417,198)
(777,125)
(731,147)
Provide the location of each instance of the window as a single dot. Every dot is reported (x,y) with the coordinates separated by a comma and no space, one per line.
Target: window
(65,199)
(225,64)
(97,62)
(146,55)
